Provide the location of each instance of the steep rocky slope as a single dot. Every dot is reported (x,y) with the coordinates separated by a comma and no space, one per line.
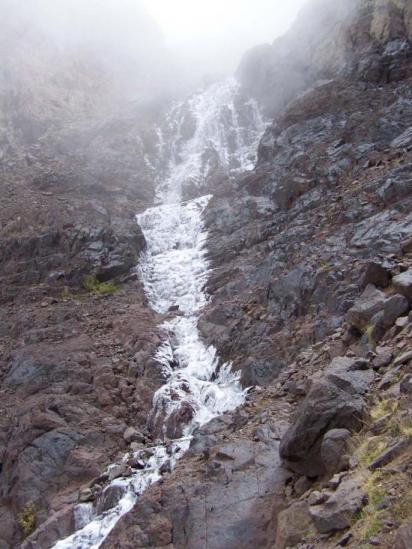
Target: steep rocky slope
(310,299)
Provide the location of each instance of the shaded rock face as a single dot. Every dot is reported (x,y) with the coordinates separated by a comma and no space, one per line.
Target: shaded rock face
(77,162)
(315,47)
(66,255)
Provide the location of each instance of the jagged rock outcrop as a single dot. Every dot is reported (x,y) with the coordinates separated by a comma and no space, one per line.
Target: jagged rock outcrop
(358,37)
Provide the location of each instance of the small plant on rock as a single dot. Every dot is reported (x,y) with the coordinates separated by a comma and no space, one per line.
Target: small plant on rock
(369,333)
(94,286)
(27,519)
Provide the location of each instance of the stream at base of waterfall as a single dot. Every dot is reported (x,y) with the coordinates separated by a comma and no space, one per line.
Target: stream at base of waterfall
(174,271)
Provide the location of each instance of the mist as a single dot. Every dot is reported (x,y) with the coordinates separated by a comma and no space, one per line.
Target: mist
(213,36)
(145,48)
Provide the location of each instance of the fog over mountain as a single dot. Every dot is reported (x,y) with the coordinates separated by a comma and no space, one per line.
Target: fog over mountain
(118,38)
(146,46)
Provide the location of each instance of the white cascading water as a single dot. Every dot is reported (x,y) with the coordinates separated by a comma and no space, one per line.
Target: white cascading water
(174,271)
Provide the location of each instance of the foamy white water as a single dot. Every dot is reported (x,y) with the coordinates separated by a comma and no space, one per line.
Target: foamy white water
(174,271)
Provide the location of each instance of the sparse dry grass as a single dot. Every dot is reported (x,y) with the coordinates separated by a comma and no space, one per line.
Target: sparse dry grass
(369,449)
(382,507)
(27,519)
(383,408)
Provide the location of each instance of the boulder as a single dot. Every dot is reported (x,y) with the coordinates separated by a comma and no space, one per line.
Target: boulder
(406,385)
(403,284)
(302,485)
(337,512)
(261,372)
(334,450)
(131,435)
(383,358)
(350,375)
(117,470)
(333,402)
(389,454)
(368,305)
(375,273)
(403,140)
(109,498)
(294,523)
(58,526)
(404,358)
(327,406)
(394,307)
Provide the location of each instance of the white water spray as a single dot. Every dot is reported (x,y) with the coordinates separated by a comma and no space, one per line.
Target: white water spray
(174,271)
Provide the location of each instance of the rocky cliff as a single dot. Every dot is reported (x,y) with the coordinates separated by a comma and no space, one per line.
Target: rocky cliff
(310,298)
(347,38)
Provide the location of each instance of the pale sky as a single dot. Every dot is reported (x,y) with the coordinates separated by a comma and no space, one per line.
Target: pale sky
(187,20)
(203,37)
(223,28)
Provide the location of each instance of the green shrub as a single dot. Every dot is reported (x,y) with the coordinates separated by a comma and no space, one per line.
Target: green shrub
(94,286)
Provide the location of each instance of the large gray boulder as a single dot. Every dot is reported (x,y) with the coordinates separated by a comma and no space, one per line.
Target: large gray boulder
(334,402)
(394,307)
(403,284)
(367,306)
(326,407)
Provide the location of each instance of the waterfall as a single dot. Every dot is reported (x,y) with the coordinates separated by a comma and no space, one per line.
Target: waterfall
(224,133)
